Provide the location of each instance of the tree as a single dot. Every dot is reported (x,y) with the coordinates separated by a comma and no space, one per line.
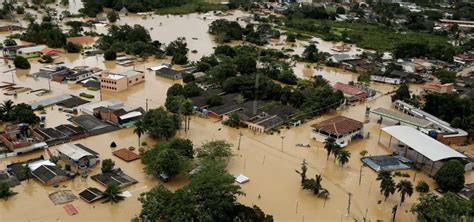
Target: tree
(110,55)
(422,187)
(449,207)
(311,54)
(47,59)
(178,50)
(23,113)
(9,42)
(302,173)
(183,146)
(139,130)
(313,184)
(113,144)
(72,47)
(217,150)
(245,64)
(343,157)
(6,111)
(402,93)
(225,30)
(160,124)
(233,121)
(404,187)
(65,2)
(445,76)
(20,10)
(340,10)
(291,37)
(336,150)
(113,16)
(329,144)
(387,185)
(26,172)
(112,194)
(175,90)
(107,166)
(21,62)
(214,100)
(5,191)
(168,162)
(450,177)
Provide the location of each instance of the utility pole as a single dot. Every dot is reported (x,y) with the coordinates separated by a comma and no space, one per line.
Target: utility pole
(282,137)
(240,138)
(12,73)
(349,204)
(254,111)
(360,173)
(146,105)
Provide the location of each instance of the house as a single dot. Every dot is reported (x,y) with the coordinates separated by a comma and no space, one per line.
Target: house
(49,174)
(126,155)
(353,93)
(78,155)
(22,138)
(30,52)
(341,128)
(169,73)
(77,76)
(91,194)
(464,59)
(50,51)
(437,87)
(11,28)
(82,40)
(339,58)
(11,181)
(121,116)
(117,177)
(10,51)
(89,107)
(121,81)
(341,48)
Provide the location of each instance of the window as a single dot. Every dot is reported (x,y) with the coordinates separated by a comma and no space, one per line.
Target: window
(143,77)
(129,81)
(136,79)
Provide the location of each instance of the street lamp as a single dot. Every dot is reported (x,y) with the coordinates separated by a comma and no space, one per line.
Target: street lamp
(240,138)
(282,137)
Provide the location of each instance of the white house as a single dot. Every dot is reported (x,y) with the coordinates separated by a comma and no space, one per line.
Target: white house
(78,155)
(341,128)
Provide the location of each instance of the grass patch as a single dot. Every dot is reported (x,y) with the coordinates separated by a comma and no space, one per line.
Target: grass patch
(93,88)
(364,35)
(191,7)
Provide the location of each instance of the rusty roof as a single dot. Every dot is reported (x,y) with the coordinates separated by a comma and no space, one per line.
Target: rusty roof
(126,155)
(339,125)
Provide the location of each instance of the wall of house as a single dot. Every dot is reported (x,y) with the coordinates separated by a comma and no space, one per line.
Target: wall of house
(344,139)
(455,140)
(109,116)
(136,79)
(113,85)
(255,127)
(57,179)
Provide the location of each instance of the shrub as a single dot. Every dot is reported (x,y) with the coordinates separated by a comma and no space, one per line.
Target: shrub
(85,95)
(422,187)
(110,55)
(72,47)
(21,62)
(450,177)
(113,144)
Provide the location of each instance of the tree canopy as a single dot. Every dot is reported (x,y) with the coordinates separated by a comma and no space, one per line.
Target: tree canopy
(450,177)
(160,124)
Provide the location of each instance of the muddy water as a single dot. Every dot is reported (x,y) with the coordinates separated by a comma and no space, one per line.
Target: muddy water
(271,170)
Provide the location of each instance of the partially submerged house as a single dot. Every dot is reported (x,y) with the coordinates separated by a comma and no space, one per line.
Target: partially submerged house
(91,194)
(120,116)
(341,128)
(78,155)
(82,40)
(118,82)
(47,172)
(22,138)
(30,52)
(117,177)
(126,155)
(169,73)
(352,93)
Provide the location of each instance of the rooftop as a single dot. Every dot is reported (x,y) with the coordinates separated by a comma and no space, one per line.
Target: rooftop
(91,194)
(348,89)
(402,117)
(76,151)
(45,173)
(126,155)
(422,143)
(81,40)
(338,126)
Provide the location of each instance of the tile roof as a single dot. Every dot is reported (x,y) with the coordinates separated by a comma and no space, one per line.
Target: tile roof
(338,126)
(348,89)
(126,154)
(46,173)
(91,194)
(81,40)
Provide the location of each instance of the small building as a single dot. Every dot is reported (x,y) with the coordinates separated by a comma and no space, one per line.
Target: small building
(120,116)
(341,128)
(91,194)
(126,155)
(50,174)
(78,155)
(50,51)
(464,59)
(353,93)
(22,138)
(81,40)
(117,177)
(30,52)
(121,81)
(169,73)
(429,153)
(89,107)
(437,87)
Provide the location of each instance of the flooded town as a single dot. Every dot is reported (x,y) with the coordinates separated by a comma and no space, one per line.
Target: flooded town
(236,111)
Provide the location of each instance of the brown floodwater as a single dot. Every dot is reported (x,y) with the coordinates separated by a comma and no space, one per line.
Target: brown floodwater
(271,170)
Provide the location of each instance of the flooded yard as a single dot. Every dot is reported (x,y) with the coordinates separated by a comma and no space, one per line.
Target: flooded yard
(269,161)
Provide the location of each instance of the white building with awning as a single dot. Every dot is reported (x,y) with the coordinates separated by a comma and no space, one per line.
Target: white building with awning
(425,151)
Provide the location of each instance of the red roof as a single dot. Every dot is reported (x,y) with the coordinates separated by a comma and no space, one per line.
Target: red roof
(126,154)
(58,78)
(338,126)
(82,40)
(350,90)
(466,57)
(50,51)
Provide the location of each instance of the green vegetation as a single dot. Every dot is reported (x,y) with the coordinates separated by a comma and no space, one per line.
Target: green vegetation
(86,95)
(443,105)
(46,59)
(20,113)
(5,191)
(7,10)
(92,88)
(402,93)
(178,50)
(387,185)
(226,31)
(113,16)
(44,33)
(191,7)
(445,76)
(9,42)
(404,187)
(449,207)
(110,55)
(112,194)
(422,187)
(21,62)
(450,177)
(107,166)
(160,124)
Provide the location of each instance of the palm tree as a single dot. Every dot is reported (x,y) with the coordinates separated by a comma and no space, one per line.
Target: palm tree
(387,187)
(404,187)
(5,191)
(302,173)
(324,194)
(329,145)
(383,175)
(343,157)
(112,194)
(26,172)
(336,150)
(139,130)
(187,112)
(6,110)
(313,184)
